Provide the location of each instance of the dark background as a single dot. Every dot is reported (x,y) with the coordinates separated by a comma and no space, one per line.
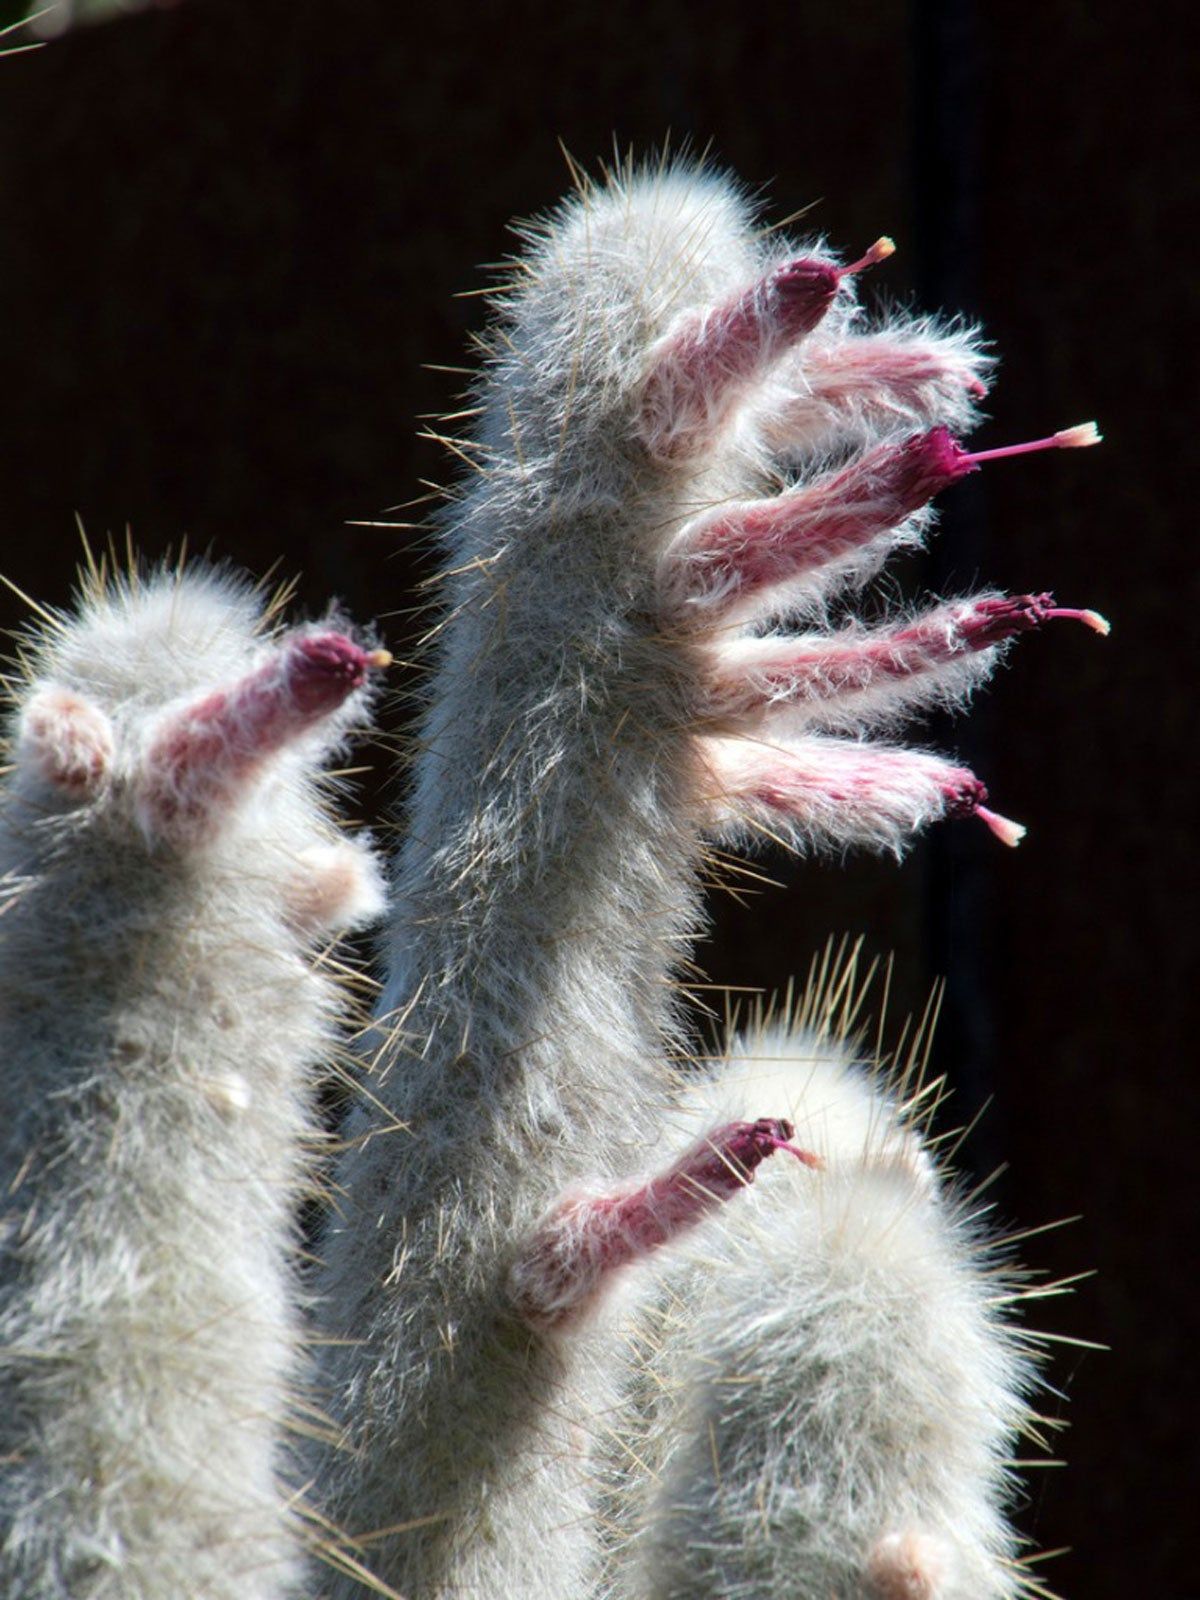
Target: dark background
(230,235)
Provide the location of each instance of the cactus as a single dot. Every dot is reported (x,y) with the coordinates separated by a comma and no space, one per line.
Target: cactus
(823,1382)
(169,869)
(691,446)
(596,1320)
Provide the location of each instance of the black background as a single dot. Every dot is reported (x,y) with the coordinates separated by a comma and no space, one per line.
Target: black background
(230,235)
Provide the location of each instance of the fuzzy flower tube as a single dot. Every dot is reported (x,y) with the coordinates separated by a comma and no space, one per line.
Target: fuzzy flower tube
(170,874)
(690,445)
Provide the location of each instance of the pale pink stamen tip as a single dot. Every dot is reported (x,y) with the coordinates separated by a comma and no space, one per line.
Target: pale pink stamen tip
(1078,437)
(806,1156)
(879,251)
(1006,830)
(1090,619)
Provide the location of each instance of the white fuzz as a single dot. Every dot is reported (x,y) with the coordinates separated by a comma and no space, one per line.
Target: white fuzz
(823,1393)
(335,886)
(688,432)
(161,1026)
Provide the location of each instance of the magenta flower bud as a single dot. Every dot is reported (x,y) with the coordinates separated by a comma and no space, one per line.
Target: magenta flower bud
(203,758)
(325,668)
(700,371)
(578,1247)
(993,620)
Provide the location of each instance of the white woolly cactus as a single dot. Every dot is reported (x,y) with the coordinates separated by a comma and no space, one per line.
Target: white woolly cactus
(824,1387)
(691,443)
(169,864)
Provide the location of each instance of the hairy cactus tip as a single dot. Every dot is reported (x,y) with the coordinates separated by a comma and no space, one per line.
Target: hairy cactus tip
(572,1348)
(173,865)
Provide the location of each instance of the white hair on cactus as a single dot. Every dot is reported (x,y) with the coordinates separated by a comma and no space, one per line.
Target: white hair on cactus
(688,433)
(825,1388)
(163,1023)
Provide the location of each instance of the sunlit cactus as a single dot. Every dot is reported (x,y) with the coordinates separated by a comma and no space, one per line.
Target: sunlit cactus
(596,1319)
(825,1381)
(692,442)
(170,869)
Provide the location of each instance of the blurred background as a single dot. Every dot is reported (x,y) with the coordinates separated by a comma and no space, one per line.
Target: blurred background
(232,233)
